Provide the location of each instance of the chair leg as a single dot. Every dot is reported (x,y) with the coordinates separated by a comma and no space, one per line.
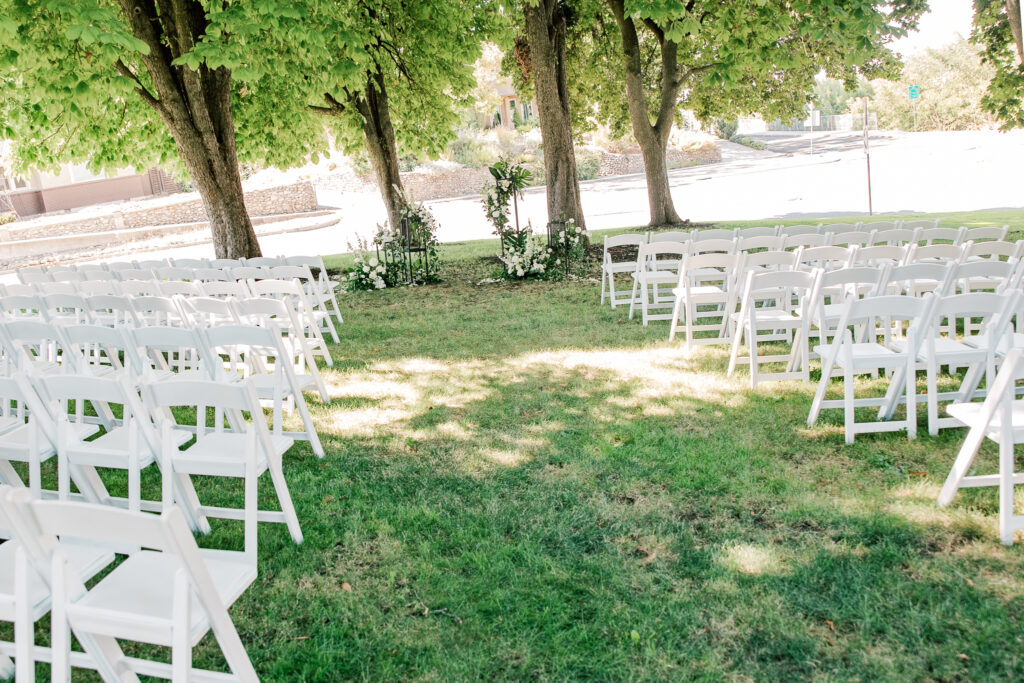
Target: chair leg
(604,276)
(933,398)
(181,648)
(911,401)
(644,293)
(676,309)
(752,348)
(284,497)
(24,638)
(1006,472)
(737,339)
(632,297)
(849,405)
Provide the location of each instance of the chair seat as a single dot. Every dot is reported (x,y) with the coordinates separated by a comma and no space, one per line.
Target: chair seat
(866,355)
(700,291)
(138,597)
(111,449)
(9,422)
(657,276)
(982,341)
(969,414)
(14,444)
(948,349)
(86,559)
(769,316)
(264,384)
(620,267)
(223,454)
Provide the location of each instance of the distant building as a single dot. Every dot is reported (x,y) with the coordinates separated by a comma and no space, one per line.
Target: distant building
(510,110)
(76,186)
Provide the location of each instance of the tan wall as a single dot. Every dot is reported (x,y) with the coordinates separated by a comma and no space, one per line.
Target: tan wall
(95,192)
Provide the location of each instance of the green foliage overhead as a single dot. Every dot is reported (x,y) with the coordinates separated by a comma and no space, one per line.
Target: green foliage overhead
(1003,52)
(73,85)
(742,57)
(423,51)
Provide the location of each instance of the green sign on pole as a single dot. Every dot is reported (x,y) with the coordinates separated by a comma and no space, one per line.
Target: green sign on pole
(915,92)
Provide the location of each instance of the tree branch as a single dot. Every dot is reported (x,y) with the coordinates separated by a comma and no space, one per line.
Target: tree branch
(143,91)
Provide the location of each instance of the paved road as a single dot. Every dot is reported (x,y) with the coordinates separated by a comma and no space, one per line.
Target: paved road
(911,172)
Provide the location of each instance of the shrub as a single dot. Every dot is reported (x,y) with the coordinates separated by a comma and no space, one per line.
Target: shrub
(9,217)
(470,152)
(588,164)
(725,129)
(749,142)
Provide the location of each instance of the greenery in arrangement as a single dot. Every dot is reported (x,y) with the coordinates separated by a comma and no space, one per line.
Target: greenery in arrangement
(501,202)
(406,255)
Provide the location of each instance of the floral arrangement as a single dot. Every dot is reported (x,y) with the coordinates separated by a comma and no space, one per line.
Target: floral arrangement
(570,242)
(528,258)
(509,181)
(367,271)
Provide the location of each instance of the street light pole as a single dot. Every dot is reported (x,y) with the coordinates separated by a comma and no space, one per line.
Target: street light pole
(867,154)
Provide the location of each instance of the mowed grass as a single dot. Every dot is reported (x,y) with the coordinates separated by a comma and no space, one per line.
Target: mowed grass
(522,484)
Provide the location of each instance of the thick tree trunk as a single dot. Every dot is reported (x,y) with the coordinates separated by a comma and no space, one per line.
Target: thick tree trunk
(1013,16)
(380,144)
(196,108)
(652,137)
(545,31)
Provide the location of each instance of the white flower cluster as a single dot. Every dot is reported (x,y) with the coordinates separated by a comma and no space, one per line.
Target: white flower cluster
(368,272)
(531,260)
(571,235)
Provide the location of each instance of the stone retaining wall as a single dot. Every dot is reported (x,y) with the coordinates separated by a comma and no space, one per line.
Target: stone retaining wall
(625,164)
(458,182)
(287,199)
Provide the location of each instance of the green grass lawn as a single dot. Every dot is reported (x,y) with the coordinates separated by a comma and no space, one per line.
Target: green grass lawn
(521,484)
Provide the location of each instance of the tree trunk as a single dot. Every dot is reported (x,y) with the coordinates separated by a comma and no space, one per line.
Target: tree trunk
(545,31)
(652,137)
(380,144)
(195,105)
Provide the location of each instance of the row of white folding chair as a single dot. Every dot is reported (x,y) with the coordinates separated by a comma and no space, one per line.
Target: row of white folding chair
(319,287)
(167,591)
(282,366)
(133,442)
(981,274)
(140,302)
(929,344)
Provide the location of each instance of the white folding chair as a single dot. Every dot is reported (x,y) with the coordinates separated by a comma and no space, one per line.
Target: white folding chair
(97,287)
(45,288)
(894,237)
(133,288)
(326,286)
(840,228)
(173,288)
(168,593)
(277,315)
(225,263)
(212,275)
(865,354)
(259,353)
(775,292)
(151,264)
(33,275)
(192,263)
(808,239)
(701,298)
(879,255)
(264,261)
(699,235)
(988,311)
(291,292)
(112,310)
(66,309)
(991,251)
(794,230)
(917,279)
(208,311)
(826,258)
(158,311)
(171,352)
(851,238)
(933,234)
(25,596)
(880,226)
(758,231)
(22,307)
(833,290)
(64,274)
(225,288)
(222,452)
(1001,419)
(175,273)
(985,233)
(922,225)
(759,243)
(614,245)
(657,264)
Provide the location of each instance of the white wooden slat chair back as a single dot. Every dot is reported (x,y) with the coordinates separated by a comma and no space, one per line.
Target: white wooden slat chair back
(706,281)
(240,452)
(793,230)
(864,353)
(1001,419)
(171,593)
(613,246)
(657,265)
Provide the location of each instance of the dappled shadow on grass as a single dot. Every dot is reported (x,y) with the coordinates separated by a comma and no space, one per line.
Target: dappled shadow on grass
(624,512)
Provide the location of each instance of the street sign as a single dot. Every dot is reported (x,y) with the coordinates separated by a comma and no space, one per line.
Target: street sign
(914,91)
